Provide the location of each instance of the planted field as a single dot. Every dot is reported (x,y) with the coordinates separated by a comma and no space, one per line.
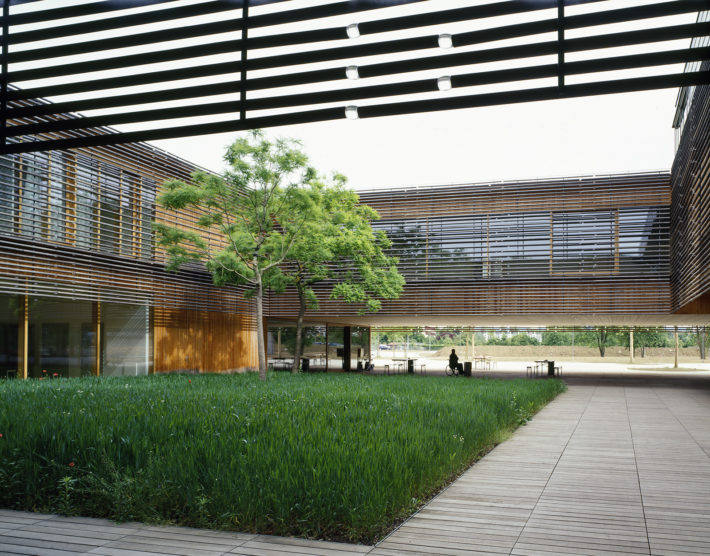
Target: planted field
(326,456)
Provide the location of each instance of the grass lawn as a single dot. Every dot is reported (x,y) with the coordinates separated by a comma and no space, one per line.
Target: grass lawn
(321,456)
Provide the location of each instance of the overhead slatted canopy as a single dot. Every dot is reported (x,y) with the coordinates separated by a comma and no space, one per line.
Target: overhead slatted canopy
(118,71)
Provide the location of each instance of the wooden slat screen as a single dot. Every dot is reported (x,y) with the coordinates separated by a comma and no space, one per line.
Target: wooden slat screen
(690,209)
(232,77)
(565,246)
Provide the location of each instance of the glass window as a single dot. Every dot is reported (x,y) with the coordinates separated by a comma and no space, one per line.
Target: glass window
(87,181)
(34,211)
(126,340)
(130,184)
(57,198)
(584,242)
(55,338)
(8,194)
(110,208)
(9,327)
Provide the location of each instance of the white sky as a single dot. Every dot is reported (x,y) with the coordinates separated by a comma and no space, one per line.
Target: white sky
(594,135)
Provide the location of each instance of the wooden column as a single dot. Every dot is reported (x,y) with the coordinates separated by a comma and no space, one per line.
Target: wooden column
(675,365)
(631,344)
(96,325)
(23,337)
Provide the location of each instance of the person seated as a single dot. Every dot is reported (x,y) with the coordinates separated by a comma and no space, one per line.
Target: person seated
(454,362)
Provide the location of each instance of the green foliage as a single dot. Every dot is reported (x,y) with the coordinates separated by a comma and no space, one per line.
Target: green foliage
(557,338)
(253,214)
(502,341)
(523,340)
(325,456)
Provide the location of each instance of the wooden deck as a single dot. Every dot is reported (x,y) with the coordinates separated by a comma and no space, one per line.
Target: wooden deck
(610,467)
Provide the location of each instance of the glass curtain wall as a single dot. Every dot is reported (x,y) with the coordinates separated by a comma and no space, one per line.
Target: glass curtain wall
(61,342)
(9,327)
(126,348)
(281,345)
(360,347)
(62,337)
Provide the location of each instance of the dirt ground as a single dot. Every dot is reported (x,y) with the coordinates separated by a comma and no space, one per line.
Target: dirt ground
(577,353)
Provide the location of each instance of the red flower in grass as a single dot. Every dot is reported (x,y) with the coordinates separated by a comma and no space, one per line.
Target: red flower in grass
(189,380)
(41,378)
(44,371)
(55,374)
(0,435)
(71,464)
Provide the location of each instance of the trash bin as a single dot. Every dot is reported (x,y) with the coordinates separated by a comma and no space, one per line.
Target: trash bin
(550,368)
(410,366)
(305,364)
(467,368)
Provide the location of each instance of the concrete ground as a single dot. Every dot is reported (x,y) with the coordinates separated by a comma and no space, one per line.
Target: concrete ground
(619,464)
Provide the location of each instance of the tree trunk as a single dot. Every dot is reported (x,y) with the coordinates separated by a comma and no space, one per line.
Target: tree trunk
(299,327)
(260,329)
(701,341)
(601,340)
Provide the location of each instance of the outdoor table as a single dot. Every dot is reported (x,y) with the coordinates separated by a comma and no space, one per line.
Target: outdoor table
(482,359)
(408,361)
(540,365)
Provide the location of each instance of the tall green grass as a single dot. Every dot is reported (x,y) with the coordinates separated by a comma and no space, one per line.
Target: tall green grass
(325,456)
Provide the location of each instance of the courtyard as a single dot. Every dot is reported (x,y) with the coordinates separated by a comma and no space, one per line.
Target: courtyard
(615,465)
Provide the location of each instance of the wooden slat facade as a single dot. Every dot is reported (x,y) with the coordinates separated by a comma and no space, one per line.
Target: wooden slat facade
(589,245)
(78,225)
(690,209)
(203,341)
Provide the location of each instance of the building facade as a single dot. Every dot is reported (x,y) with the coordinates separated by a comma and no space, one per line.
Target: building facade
(84,290)
(83,287)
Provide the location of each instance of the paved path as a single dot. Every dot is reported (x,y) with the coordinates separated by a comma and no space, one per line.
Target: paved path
(613,466)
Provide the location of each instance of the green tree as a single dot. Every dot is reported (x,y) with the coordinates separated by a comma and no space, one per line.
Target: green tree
(702,340)
(257,209)
(598,336)
(648,337)
(523,340)
(556,338)
(339,245)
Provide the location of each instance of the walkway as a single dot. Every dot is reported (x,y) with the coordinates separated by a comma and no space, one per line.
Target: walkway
(613,466)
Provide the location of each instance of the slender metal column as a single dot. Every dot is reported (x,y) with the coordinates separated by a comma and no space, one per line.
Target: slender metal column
(96,317)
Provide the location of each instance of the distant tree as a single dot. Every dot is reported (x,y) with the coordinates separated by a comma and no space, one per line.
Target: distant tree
(702,340)
(598,336)
(556,338)
(502,341)
(523,340)
(257,209)
(648,337)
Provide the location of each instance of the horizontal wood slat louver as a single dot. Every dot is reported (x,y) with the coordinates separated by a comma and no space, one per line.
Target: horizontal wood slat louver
(690,208)
(594,245)
(77,224)
(227,79)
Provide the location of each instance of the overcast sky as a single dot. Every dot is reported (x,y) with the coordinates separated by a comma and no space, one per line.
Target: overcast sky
(595,135)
